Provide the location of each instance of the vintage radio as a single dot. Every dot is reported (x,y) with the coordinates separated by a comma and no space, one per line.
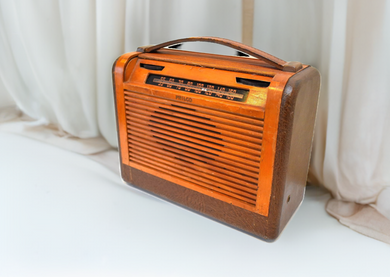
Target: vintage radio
(226,137)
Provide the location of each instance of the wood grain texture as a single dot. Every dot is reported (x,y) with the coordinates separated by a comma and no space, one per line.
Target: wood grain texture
(205,154)
(296,128)
(233,216)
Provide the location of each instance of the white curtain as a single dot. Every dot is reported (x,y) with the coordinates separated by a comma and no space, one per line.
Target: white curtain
(54,61)
(56,58)
(349,42)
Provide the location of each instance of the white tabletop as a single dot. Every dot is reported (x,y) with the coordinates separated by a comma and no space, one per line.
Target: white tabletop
(63,214)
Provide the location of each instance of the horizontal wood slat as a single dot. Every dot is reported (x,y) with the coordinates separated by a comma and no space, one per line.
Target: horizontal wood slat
(212,149)
(236,117)
(223,178)
(179,108)
(223,167)
(203,120)
(200,153)
(191,184)
(134,115)
(196,143)
(206,177)
(200,127)
(190,178)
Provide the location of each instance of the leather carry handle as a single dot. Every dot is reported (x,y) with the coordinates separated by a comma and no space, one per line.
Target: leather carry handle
(276,62)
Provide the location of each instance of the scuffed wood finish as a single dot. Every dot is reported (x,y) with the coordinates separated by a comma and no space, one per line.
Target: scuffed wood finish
(241,163)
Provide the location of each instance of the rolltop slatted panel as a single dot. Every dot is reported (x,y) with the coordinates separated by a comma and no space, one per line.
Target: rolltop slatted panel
(216,150)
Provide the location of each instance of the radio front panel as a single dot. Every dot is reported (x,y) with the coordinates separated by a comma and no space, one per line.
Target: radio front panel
(215,152)
(226,137)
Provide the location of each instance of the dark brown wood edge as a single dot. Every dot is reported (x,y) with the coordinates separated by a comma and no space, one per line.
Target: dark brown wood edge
(294,142)
(232,216)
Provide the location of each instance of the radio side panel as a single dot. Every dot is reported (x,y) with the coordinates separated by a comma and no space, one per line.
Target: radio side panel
(294,142)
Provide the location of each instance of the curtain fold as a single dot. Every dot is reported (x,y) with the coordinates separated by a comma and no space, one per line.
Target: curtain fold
(56,59)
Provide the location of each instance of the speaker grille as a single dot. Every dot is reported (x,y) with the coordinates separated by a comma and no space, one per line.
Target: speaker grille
(215,150)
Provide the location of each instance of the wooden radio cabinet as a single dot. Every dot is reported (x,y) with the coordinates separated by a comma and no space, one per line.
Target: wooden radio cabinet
(226,137)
